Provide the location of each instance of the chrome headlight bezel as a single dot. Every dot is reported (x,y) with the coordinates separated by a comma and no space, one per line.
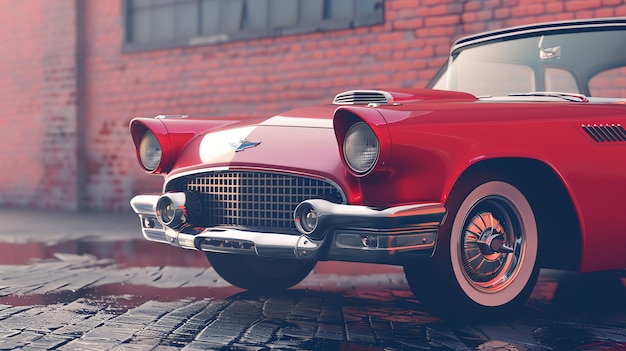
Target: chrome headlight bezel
(361,148)
(150,151)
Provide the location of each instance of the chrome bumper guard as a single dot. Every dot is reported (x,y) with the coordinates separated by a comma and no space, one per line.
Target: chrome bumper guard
(342,232)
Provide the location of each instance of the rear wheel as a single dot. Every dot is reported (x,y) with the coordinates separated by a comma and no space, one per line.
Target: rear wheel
(258,273)
(486,256)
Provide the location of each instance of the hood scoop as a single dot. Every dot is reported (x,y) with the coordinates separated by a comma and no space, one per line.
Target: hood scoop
(398,96)
(363,97)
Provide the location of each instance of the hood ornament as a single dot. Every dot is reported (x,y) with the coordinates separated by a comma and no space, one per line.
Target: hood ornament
(243,144)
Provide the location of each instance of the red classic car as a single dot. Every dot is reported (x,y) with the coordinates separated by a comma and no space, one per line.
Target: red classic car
(513,159)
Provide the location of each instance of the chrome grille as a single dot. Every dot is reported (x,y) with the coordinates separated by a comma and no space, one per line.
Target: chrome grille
(256,200)
(364,97)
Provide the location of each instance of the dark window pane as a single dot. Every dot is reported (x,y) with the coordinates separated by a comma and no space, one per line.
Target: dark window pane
(210,17)
(140,3)
(163,23)
(311,11)
(187,20)
(141,26)
(231,14)
(366,8)
(340,9)
(256,14)
(283,13)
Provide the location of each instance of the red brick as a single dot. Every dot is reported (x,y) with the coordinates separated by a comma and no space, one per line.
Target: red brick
(554,6)
(536,9)
(408,24)
(442,20)
(604,12)
(576,5)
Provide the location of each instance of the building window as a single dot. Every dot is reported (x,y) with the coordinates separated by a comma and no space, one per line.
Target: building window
(155,24)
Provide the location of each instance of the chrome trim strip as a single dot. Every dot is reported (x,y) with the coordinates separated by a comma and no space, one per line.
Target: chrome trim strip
(331,216)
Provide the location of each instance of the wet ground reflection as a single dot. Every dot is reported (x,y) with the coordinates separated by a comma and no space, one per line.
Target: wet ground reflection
(139,295)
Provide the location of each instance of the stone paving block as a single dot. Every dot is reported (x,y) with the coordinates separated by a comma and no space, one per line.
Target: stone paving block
(168,322)
(8,332)
(153,308)
(12,345)
(259,333)
(174,277)
(245,347)
(134,347)
(223,333)
(83,345)
(508,332)
(55,319)
(8,312)
(359,333)
(207,277)
(439,336)
(48,342)
(382,329)
(202,346)
(330,314)
(330,331)
(135,319)
(300,330)
(85,325)
(167,348)
(82,306)
(145,336)
(112,331)
(469,336)
(307,309)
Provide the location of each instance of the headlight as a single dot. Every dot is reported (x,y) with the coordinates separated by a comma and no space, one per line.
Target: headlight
(150,151)
(361,148)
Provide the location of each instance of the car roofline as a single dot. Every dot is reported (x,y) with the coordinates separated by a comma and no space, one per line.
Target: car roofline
(524,30)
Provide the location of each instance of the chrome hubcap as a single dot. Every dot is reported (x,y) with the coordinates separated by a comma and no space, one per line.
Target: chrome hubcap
(491,244)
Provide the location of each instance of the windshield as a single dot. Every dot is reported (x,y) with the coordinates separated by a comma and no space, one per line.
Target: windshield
(592,63)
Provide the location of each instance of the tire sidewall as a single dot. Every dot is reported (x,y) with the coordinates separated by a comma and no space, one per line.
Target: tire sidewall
(525,275)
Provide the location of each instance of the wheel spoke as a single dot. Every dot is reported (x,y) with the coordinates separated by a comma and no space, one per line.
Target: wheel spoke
(488,250)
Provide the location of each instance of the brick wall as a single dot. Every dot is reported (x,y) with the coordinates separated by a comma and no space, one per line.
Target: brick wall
(38,104)
(38,85)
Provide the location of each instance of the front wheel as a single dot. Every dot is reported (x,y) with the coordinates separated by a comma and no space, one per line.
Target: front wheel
(258,273)
(486,256)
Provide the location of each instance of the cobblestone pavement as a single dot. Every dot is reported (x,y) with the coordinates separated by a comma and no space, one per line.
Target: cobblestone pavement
(127,294)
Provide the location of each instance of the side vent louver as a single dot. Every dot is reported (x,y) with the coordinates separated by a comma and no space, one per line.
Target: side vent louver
(362,97)
(605,133)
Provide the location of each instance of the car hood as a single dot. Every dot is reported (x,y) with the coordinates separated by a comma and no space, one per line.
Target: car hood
(300,140)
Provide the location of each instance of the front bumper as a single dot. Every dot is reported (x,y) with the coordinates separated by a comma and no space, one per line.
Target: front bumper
(344,233)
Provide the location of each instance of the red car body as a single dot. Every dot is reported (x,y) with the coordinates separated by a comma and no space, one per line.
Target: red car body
(563,152)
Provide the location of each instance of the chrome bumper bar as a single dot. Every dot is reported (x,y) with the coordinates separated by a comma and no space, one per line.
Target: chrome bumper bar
(343,232)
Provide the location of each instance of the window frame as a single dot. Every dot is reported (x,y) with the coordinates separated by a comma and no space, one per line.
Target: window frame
(326,25)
